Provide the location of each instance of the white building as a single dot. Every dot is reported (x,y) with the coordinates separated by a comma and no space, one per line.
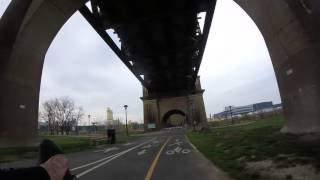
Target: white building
(110,122)
(109,114)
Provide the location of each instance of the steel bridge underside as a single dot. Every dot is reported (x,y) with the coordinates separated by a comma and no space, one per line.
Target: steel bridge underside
(162,42)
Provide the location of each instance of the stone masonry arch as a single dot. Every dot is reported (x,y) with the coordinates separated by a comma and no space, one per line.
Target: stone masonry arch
(289,27)
(168,114)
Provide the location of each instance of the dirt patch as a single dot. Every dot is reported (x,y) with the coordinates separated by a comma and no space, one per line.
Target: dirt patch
(310,138)
(270,169)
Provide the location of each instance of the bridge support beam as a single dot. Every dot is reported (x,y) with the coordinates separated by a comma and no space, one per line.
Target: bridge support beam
(291,32)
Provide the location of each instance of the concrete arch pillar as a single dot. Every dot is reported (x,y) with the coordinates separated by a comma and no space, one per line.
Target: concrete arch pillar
(291,32)
(290,29)
(27,29)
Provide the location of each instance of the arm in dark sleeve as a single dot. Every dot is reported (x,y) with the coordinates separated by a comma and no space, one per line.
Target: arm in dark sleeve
(24,173)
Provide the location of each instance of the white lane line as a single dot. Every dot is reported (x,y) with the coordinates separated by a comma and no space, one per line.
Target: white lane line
(100,160)
(127,144)
(110,149)
(95,162)
(97,166)
(142,152)
(105,150)
(108,159)
(194,147)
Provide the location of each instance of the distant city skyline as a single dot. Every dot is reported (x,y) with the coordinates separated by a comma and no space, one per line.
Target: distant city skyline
(236,68)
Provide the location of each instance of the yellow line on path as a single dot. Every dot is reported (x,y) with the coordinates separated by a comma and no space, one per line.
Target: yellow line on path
(154,163)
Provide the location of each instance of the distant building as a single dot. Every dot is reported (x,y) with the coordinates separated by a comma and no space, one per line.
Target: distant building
(242,110)
(111,122)
(277,106)
(235,110)
(220,115)
(263,107)
(109,114)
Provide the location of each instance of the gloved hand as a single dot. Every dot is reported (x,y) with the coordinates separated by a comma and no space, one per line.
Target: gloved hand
(56,167)
(48,150)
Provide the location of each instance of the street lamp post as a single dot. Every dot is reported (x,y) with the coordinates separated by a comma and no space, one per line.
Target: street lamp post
(76,124)
(125,108)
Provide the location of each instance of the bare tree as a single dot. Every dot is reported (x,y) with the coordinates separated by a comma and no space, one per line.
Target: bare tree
(78,115)
(66,108)
(48,113)
(61,114)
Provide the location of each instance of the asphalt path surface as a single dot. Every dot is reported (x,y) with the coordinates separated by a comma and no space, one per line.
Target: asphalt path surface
(165,155)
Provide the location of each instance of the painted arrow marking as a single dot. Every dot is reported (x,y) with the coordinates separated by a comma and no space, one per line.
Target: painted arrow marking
(176,143)
(110,149)
(144,151)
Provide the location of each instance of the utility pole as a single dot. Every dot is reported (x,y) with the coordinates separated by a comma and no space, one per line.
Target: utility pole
(76,123)
(89,122)
(230,110)
(125,108)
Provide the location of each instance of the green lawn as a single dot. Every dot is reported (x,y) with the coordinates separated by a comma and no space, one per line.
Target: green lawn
(68,144)
(231,147)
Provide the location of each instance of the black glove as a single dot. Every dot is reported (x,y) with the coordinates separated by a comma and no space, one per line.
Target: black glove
(48,149)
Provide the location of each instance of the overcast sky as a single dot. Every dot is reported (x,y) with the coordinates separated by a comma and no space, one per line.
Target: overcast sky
(236,68)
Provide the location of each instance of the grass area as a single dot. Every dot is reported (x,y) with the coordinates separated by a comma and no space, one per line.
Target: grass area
(123,138)
(228,122)
(231,148)
(12,154)
(68,144)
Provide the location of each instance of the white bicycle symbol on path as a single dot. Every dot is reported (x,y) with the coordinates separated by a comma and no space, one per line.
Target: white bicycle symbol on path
(178,150)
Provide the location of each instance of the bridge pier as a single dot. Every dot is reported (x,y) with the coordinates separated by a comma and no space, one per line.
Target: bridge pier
(27,29)
(291,32)
(158,109)
(18,102)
